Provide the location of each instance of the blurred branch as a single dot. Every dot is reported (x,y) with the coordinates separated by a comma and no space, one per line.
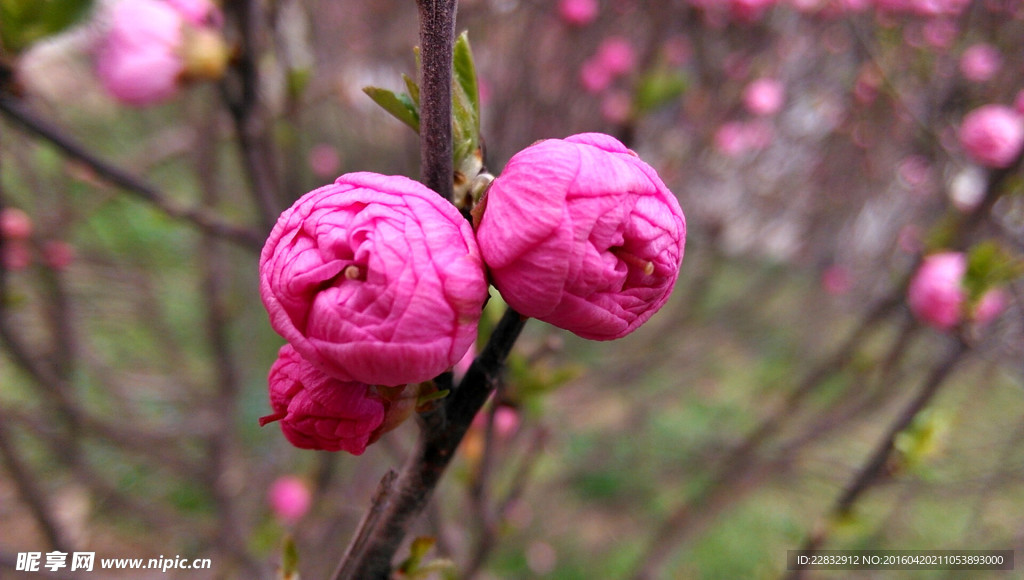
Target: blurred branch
(241,95)
(874,468)
(212,224)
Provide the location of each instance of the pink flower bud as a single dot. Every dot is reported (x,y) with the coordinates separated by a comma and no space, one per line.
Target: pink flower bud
(594,76)
(289,498)
(58,254)
(320,412)
(990,306)
(138,61)
(617,56)
(992,135)
(836,280)
(374,279)
(764,96)
(324,160)
(582,234)
(15,224)
(577,12)
(152,45)
(980,62)
(935,294)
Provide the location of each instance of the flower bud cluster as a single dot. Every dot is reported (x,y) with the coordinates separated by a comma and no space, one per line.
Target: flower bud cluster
(938,298)
(378,283)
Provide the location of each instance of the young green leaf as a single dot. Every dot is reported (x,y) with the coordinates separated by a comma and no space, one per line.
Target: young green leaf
(401,106)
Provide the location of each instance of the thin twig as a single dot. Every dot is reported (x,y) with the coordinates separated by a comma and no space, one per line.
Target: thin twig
(18,112)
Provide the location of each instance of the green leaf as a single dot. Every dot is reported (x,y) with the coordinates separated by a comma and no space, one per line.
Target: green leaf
(464,70)
(659,88)
(289,560)
(417,551)
(412,88)
(990,265)
(23,22)
(401,106)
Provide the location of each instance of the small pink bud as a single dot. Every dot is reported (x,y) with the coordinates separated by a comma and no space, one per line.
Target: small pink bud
(836,280)
(617,56)
(16,255)
(990,306)
(594,76)
(324,160)
(320,412)
(58,254)
(375,279)
(15,224)
(577,12)
(152,45)
(993,135)
(617,107)
(289,498)
(980,62)
(582,234)
(935,294)
(764,96)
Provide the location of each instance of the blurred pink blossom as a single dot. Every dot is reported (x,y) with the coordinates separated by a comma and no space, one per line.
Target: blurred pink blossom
(15,224)
(138,60)
(374,279)
(935,295)
(617,107)
(198,12)
(764,96)
(678,50)
(992,135)
(16,255)
(616,55)
(582,234)
(289,498)
(836,280)
(578,12)
(594,76)
(58,254)
(980,62)
(320,412)
(990,306)
(324,160)
(940,32)
(750,10)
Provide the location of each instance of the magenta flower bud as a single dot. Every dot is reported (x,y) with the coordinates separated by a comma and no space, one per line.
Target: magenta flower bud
(992,135)
(764,96)
(935,294)
(582,234)
(374,279)
(577,12)
(15,224)
(151,46)
(616,55)
(980,62)
(289,498)
(320,412)
(138,61)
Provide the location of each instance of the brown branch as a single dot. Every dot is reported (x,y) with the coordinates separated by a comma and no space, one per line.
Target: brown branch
(441,432)
(437,41)
(25,118)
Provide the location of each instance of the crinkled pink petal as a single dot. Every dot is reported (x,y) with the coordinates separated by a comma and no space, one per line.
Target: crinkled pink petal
(320,412)
(137,61)
(582,234)
(375,279)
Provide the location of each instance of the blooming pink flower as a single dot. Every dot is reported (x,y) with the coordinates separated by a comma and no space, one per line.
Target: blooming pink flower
(935,294)
(764,96)
(320,412)
(577,12)
(289,498)
(15,224)
(374,279)
(582,234)
(980,62)
(992,135)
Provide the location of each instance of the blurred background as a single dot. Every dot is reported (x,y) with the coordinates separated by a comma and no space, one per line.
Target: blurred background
(785,398)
